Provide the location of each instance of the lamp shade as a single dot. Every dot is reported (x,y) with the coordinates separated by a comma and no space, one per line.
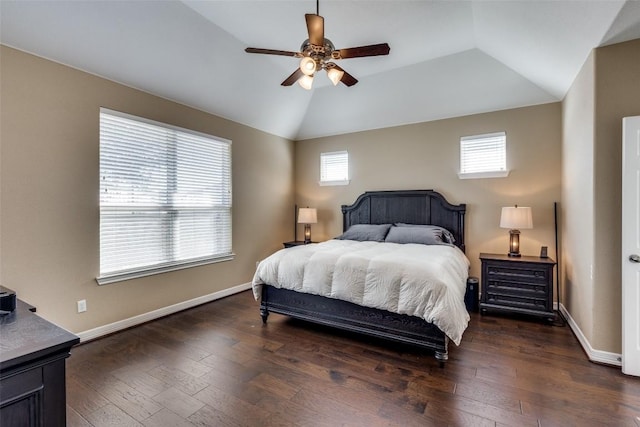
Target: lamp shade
(516,218)
(307,216)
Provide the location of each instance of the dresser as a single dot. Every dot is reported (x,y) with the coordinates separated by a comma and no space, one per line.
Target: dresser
(32,369)
(517,285)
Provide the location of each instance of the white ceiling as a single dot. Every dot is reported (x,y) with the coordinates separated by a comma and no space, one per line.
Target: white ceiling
(448,58)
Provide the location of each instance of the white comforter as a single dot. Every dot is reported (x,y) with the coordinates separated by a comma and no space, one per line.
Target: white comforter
(418,280)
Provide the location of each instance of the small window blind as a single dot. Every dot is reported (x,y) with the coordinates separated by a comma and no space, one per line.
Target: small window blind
(483,156)
(165,197)
(334,168)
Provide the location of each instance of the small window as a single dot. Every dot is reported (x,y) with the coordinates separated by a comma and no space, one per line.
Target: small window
(165,198)
(483,156)
(334,168)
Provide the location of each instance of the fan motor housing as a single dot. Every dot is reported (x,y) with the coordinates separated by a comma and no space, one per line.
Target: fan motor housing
(314,51)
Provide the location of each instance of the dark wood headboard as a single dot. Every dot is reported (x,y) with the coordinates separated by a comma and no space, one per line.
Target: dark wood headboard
(407,206)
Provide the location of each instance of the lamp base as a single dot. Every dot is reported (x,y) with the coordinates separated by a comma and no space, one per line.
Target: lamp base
(514,243)
(307,234)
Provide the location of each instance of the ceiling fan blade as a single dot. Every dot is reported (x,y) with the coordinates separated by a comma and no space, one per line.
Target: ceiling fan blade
(315,28)
(361,51)
(271,51)
(347,78)
(293,77)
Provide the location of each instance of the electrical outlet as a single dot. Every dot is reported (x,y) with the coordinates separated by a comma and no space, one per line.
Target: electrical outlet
(82,306)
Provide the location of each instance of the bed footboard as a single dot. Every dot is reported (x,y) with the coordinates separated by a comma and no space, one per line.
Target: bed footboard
(352,317)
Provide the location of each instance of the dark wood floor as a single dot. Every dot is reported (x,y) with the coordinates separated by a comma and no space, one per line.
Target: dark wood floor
(217,365)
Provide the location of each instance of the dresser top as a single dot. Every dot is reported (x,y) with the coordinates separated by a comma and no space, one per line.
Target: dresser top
(26,336)
(523,258)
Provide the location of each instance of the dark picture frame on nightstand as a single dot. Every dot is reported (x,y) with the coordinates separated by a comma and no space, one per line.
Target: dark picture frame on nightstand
(543,252)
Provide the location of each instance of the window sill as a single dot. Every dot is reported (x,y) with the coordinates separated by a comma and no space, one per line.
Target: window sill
(480,175)
(135,274)
(329,183)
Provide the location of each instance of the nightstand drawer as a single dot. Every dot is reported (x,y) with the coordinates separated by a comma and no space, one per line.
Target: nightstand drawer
(520,273)
(510,287)
(519,295)
(518,301)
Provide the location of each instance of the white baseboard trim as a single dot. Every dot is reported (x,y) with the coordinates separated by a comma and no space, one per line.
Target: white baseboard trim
(101,331)
(597,356)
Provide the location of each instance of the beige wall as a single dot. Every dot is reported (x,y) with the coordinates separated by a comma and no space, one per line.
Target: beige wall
(426,155)
(49,215)
(577,206)
(617,95)
(606,90)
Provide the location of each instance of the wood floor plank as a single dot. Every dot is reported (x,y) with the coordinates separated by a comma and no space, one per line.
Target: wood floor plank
(141,381)
(74,419)
(208,416)
(180,379)
(218,365)
(341,413)
(112,416)
(291,414)
(166,418)
(82,398)
(131,401)
(472,406)
(236,409)
(178,402)
(401,416)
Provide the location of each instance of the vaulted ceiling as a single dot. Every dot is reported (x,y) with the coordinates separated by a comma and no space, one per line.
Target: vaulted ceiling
(447,59)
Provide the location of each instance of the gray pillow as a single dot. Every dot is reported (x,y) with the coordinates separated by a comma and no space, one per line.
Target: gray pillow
(445,234)
(421,235)
(366,232)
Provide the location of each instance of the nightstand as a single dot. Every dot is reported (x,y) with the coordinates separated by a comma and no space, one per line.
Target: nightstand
(517,285)
(295,243)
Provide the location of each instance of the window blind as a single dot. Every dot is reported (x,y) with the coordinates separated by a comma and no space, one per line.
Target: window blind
(483,154)
(165,197)
(334,168)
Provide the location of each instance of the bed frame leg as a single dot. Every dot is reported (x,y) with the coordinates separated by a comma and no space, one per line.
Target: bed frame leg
(442,357)
(264,313)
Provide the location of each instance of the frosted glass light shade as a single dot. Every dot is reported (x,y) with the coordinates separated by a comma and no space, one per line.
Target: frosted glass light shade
(306,82)
(307,66)
(335,75)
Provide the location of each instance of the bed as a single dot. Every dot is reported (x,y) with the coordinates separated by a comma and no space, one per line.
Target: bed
(407,207)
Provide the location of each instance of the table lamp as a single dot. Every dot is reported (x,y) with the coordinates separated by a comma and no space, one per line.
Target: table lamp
(307,216)
(515,218)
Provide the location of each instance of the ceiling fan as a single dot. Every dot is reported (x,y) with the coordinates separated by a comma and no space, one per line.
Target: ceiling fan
(317,53)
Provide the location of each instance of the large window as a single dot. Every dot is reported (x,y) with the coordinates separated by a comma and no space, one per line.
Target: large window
(483,156)
(334,168)
(165,197)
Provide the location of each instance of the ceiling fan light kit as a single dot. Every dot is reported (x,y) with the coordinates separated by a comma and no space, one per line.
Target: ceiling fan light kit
(317,52)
